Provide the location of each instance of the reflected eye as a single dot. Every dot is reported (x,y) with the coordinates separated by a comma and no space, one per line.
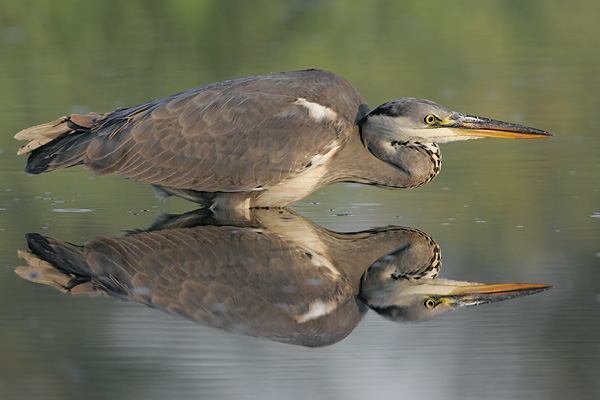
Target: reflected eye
(430,304)
(429,119)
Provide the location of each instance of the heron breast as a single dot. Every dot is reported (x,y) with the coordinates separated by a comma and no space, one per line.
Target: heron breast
(301,185)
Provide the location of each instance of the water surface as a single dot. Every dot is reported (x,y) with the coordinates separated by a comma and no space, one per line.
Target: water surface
(500,211)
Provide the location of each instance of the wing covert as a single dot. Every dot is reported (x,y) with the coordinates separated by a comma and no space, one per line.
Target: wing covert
(230,136)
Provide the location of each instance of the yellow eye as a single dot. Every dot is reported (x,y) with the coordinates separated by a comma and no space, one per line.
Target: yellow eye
(430,304)
(430,119)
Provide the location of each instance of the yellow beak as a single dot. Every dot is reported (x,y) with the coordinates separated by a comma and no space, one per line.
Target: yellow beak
(468,125)
(480,294)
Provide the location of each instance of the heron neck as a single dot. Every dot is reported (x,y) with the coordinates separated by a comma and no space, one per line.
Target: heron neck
(389,164)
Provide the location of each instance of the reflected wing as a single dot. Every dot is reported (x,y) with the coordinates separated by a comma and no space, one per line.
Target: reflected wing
(230,136)
(242,280)
(188,270)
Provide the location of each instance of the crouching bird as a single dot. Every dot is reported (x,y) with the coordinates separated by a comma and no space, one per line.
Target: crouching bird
(262,141)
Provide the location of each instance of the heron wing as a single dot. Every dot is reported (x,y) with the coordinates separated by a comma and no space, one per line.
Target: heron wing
(230,278)
(236,135)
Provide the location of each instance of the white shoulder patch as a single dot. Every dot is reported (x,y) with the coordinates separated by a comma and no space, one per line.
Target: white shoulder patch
(317,309)
(317,111)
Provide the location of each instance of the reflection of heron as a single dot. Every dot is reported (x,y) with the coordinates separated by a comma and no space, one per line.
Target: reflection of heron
(278,276)
(262,141)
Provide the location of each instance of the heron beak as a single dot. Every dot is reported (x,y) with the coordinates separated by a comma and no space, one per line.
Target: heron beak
(464,296)
(468,125)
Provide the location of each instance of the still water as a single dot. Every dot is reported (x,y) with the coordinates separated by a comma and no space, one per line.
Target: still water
(500,211)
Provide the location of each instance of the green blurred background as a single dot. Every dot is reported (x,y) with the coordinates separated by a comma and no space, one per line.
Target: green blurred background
(501,210)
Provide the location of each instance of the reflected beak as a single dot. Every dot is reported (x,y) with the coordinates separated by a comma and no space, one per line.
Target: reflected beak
(468,125)
(464,296)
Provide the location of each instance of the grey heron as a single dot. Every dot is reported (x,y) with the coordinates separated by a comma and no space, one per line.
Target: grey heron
(262,141)
(276,275)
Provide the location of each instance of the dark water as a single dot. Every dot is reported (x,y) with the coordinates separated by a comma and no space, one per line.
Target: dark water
(500,211)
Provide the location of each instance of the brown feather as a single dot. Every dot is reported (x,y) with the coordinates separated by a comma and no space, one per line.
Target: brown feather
(207,135)
(245,135)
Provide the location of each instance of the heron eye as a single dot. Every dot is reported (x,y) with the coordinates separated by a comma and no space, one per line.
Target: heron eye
(430,119)
(430,304)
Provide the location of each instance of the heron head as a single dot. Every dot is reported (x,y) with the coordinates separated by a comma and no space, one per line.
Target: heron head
(420,300)
(411,119)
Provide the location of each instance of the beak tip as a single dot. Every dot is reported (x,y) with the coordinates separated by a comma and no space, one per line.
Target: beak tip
(479,294)
(485,127)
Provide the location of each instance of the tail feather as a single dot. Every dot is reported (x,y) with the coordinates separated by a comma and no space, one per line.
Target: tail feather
(56,263)
(57,144)
(65,256)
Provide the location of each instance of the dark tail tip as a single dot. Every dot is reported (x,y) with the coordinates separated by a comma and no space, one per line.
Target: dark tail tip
(65,257)
(63,152)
